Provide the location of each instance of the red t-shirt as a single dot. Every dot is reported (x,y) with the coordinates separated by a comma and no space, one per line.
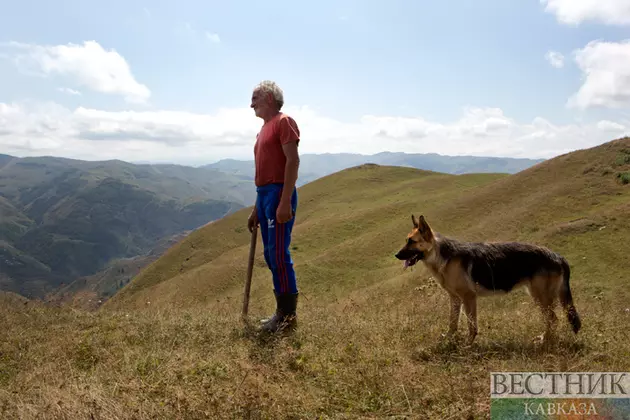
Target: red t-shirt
(268,154)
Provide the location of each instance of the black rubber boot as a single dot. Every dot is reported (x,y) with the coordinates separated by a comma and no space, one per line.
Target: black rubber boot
(285,317)
(275,315)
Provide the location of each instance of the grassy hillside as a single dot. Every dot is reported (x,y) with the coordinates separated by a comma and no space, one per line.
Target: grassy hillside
(74,217)
(13,222)
(170,344)
(340,217)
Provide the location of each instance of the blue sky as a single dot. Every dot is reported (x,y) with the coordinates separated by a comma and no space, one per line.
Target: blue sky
(418,64)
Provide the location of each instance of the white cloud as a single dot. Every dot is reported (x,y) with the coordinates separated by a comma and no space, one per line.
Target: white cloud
(575,12)
(607,75)
(69,91)
(88,65)
(188,138)
(214,38)
(611,126)
(555,58)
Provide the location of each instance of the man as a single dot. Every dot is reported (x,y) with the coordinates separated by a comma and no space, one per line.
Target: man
(277,161)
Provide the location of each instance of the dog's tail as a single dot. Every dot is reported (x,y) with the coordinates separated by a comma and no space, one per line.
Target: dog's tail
(567,300)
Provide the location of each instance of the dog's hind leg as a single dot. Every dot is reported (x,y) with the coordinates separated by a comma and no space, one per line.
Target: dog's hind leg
(544,291)
(551,321)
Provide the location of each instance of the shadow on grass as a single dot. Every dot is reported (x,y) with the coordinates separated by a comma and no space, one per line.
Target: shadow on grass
(454,349)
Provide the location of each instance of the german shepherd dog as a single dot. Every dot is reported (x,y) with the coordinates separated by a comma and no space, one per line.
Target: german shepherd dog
(467,270)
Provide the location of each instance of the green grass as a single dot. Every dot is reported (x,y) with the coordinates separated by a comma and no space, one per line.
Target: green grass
(623,157)
(368,345)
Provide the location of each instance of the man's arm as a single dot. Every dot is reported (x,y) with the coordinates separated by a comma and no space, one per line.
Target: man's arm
(290,170)
(289,139)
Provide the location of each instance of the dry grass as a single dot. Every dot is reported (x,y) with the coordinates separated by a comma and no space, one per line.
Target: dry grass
(368,343)
(356,360)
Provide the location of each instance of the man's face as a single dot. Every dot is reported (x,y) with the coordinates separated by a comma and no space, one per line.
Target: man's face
(261,103)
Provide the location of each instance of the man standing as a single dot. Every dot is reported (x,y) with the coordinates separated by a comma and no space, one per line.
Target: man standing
(277,160)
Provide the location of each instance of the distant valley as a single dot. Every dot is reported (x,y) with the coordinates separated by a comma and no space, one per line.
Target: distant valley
(64,219)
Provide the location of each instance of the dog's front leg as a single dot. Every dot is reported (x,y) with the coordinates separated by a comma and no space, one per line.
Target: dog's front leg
(456,304)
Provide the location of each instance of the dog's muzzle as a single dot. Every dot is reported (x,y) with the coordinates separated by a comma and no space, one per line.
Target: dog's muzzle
(409,257)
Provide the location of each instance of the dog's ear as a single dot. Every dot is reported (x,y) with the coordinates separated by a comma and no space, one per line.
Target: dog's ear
(424,228)
(415,222)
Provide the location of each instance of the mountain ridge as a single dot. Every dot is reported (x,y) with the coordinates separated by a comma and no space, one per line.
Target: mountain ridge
(316,165)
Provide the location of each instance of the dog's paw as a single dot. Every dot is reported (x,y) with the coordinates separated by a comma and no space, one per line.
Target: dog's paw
(543,342)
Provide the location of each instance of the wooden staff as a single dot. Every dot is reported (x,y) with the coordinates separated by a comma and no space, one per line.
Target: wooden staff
(250,270)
